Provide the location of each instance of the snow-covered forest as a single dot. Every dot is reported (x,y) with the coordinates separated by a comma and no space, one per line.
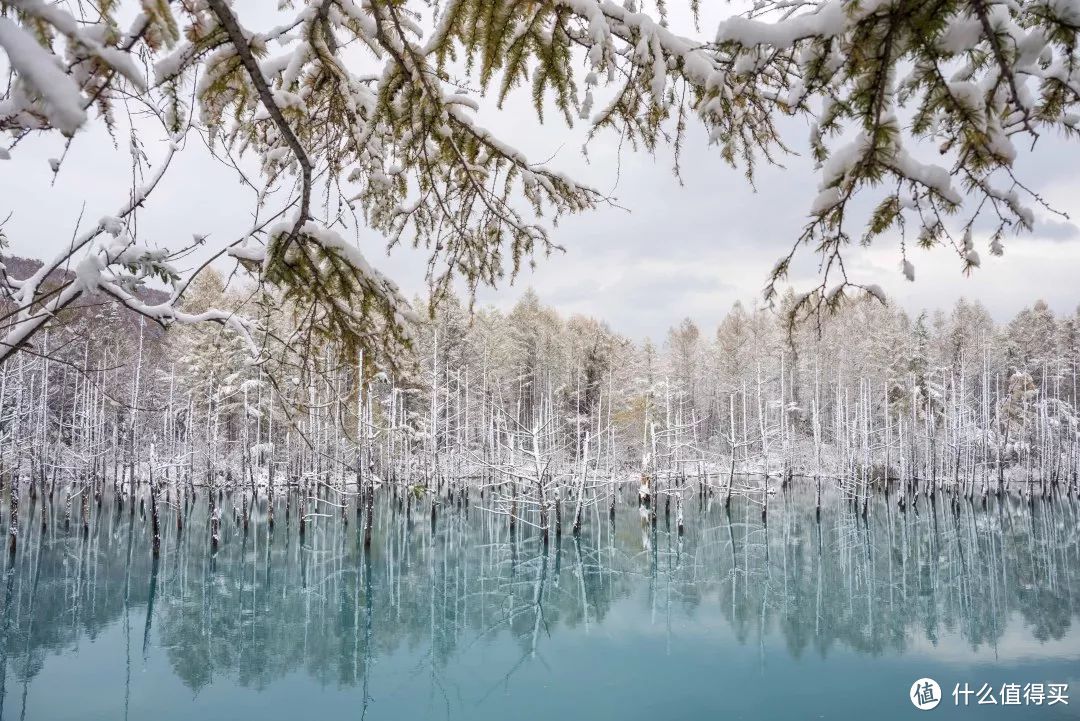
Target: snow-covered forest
(284,360)
(546,416)
(427,495)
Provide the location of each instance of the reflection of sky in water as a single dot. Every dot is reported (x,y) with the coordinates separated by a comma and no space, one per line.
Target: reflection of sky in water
(733,620)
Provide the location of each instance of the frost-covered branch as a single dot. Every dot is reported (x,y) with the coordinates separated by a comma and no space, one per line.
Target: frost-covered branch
(373,104)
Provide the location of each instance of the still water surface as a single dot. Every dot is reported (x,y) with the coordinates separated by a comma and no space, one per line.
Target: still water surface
(795,619)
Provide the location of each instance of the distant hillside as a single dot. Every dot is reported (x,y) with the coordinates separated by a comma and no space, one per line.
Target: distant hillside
(21,268)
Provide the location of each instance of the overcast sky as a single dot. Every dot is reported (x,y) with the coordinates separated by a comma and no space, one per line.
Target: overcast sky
(681,249)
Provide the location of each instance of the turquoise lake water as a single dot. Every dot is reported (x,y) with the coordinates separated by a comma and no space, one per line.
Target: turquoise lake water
(457,619)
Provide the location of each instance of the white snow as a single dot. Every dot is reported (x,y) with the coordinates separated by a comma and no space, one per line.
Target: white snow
(961,35)
(112,226)
(253,253)
(825,200)
(827,20)
(876,291)
(62,101)
(933,177)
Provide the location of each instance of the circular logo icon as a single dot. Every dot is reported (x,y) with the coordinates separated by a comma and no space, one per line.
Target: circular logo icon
(925,694)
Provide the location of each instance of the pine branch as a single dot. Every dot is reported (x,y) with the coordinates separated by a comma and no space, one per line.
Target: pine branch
(243,51)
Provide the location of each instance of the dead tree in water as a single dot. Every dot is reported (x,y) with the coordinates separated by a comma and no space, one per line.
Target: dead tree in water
(524,463)
(13,515)
(155,522)
(215,519)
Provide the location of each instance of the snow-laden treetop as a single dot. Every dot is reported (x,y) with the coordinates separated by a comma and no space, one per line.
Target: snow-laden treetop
(923,103)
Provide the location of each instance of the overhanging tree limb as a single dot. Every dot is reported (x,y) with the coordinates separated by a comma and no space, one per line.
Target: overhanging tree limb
(243,51)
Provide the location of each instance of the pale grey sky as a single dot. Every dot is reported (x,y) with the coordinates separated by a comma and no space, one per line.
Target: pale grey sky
(683,249)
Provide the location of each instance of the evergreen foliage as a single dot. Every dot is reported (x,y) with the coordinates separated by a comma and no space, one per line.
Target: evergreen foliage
(369,110)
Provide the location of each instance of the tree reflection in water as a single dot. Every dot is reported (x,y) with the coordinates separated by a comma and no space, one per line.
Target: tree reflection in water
(269,603)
